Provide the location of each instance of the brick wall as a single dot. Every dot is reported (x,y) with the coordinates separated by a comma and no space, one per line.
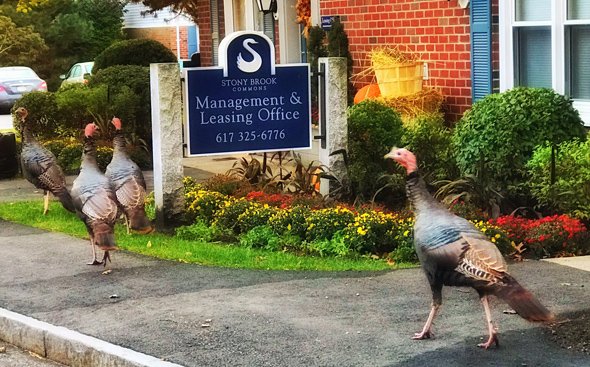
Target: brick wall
(164,35)
(437,30)
(205,41)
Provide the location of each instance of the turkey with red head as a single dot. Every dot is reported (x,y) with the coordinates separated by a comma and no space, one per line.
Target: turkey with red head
(453,252)
(40,166)
(95,200)
(128,183)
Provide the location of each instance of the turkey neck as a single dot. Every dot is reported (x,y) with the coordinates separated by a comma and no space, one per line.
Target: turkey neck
(89,153)
(119,142)
(27,134)
(419,196)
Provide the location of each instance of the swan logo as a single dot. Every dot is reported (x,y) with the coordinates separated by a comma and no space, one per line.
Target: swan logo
(256,62)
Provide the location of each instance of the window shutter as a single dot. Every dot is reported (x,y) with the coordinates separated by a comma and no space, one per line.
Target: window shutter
(481,48)
(192,43)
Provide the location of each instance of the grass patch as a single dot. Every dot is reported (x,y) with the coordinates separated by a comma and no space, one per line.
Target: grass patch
(171,248)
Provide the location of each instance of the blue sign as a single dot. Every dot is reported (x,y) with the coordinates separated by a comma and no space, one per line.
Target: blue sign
(327,21)
(248,103)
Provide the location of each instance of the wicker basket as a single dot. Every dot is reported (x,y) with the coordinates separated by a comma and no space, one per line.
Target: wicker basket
(399,80)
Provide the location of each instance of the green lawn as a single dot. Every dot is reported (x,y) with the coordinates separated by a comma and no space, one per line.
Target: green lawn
(168,247)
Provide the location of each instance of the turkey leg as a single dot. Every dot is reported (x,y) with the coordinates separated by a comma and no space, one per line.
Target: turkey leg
(94,259)
(426,333)
(46,202)
(493,338)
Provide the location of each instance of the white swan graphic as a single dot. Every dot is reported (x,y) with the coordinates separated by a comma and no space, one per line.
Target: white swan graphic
(249,66)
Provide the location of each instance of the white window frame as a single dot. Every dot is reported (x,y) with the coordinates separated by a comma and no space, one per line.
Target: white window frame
(507,15)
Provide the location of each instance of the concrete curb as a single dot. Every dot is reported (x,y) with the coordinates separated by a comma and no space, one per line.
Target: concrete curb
(69,347)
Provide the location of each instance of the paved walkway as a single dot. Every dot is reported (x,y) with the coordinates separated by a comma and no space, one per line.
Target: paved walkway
(149,312)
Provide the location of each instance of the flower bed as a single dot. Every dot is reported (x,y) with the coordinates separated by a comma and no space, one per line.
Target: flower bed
(556,235)
(286,222)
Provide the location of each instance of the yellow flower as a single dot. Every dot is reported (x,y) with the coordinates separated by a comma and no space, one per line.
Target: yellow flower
(406,233)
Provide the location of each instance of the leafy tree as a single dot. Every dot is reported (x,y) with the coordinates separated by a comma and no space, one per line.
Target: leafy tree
(19,45)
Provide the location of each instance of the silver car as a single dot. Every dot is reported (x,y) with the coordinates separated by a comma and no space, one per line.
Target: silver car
(15,81)
(78,73)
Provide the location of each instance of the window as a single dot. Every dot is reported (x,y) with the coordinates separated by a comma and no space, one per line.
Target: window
(546,43)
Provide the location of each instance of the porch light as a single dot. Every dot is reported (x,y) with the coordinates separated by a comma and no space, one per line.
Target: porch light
(267,6)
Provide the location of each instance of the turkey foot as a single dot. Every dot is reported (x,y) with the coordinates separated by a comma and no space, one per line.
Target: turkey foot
(107,256)
(426,333)
(491,340)
(423,335)
(491,329)
(94,260)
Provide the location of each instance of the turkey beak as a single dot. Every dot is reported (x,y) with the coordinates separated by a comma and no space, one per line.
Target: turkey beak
(391,153)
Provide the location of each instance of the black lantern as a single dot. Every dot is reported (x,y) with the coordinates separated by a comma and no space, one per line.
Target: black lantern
(267,6)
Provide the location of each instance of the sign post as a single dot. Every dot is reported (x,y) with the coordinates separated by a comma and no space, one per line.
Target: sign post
(247,104)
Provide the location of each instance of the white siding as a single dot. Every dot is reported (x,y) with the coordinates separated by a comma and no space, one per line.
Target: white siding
(133,18)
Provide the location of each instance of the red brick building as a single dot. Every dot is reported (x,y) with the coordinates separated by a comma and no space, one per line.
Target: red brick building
(438,31)
(471,47)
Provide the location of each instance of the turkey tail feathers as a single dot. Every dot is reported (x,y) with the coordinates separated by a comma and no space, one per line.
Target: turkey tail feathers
(139,222)
(523,302)
(104,237)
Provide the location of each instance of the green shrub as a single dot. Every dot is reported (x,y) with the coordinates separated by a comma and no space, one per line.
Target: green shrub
(227,185)
(202,204)
(55,146)
(199,231)
(139,155)
(227,215)
(103,156)
(335,246)
(254,216)
(501,131)
(128,90)
(133,52)
(373,129)
(291,220)
(42,116)
(324,223)
(261,237)
(570,193)
(73,106)
(70,157)
(375,232)
(430,140)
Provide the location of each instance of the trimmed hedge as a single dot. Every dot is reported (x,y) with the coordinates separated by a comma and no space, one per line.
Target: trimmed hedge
(141,52)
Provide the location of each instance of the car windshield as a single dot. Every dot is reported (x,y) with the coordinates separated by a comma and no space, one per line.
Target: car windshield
(17,73)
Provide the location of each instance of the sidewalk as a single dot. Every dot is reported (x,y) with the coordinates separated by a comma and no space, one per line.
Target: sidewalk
(151,312)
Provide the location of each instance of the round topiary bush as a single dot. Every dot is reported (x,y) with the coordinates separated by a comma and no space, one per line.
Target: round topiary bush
(428,137)
(500,132)
(42,116)
(135,109)
(373,128)
(133,52)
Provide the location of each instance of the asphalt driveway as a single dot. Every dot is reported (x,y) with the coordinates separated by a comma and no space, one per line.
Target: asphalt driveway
(205,316)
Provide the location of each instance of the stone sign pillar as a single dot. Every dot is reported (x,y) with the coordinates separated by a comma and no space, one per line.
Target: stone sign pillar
(333,91)
(166,97)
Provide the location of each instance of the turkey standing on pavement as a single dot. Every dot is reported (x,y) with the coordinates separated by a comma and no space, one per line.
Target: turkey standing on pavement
(128,183)
(40,166)
(95,200)
(453,252)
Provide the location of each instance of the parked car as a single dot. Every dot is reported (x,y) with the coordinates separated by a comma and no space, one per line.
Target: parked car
(15,81)
(78,73)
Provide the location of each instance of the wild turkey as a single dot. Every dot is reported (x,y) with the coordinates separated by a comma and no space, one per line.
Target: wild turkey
(95,200)
(453,252)
(40,166)
(128,183)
